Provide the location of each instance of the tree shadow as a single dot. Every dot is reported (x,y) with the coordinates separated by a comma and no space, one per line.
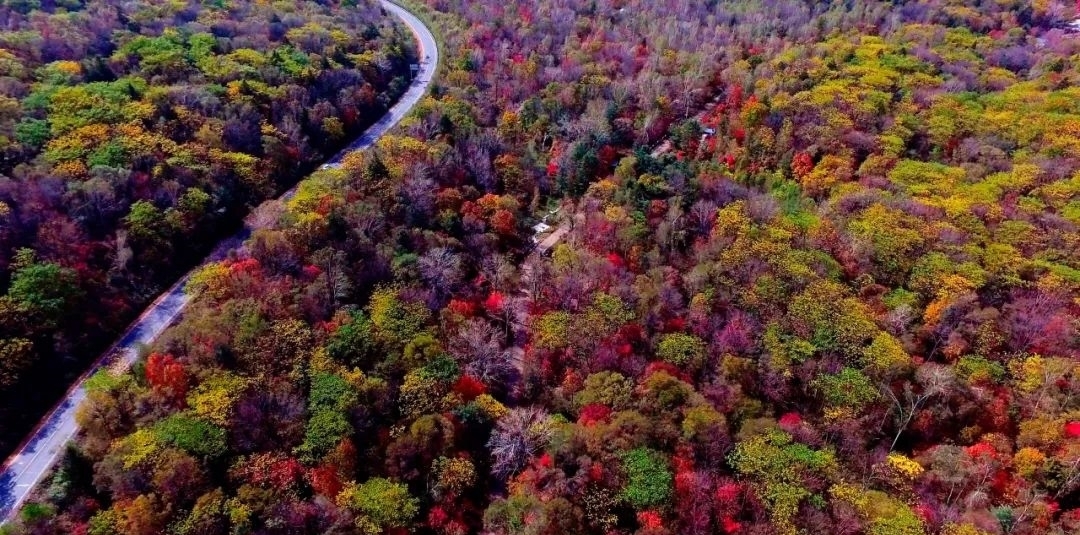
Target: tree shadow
(7,494)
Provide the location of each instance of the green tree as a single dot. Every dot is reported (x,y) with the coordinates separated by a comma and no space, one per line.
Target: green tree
(509,515)
(606,388)
(885,355)
(777,466)
(148,226)
(396,321)
(648,479)
(43,290)
(325,429)
(16,354)
(420,394)
(331,392)
(193,204)
(894,238)
(194,435)
(552,330)
(33,132)
(683,350)
(207,516)
(379,504)
(847,389)
(354,343)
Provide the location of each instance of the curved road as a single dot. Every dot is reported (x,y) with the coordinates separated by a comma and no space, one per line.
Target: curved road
(29,464)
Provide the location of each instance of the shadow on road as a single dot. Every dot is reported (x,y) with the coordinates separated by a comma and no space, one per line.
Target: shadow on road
(7,493)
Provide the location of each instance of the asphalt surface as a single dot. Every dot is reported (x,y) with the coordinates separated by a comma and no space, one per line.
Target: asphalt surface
(28,465)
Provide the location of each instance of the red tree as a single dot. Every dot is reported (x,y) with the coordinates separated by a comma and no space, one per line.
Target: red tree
(166,375)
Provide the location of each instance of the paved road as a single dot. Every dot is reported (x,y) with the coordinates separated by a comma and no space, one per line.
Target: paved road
(29,464)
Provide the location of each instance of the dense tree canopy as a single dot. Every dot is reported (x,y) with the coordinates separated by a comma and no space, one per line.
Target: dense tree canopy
(841,298)
(134,135)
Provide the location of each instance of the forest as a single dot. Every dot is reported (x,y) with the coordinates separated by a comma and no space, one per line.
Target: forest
(821,275)
(134,135)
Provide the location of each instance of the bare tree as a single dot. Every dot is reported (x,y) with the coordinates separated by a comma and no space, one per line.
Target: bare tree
(931,380)
(702,216)
(441,269)
(332,263)
(497,269)
(516,437)
(479,346)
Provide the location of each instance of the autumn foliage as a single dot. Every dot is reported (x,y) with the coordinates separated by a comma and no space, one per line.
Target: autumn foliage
(136,136)
(842,299)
